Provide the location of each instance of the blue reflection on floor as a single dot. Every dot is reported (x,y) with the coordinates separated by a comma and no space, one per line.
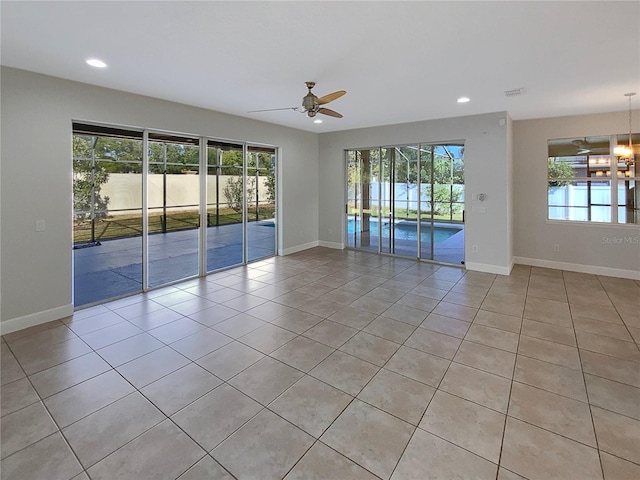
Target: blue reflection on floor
(114,268)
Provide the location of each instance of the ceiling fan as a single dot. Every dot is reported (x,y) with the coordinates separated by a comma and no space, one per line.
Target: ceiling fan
(584,147)
(311,104)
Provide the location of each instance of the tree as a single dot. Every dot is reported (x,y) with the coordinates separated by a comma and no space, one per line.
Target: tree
(444,194)
(87,180)
(232,161)
(270,181)
(406,165)
(233,191)
(270,185)
(559,169)
(119,155)
(179,157)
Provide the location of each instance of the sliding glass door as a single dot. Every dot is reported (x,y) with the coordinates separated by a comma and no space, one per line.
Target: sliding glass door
(405,214)
(260,186)
(443,203)
(407,200)
(107,213)
(140,202)
(363,190)
(225,204)
(387,207)
(173,186)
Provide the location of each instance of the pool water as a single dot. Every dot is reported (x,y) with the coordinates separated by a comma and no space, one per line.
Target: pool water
(407,231)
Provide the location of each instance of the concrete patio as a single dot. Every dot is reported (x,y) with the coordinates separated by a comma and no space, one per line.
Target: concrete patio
(114,268)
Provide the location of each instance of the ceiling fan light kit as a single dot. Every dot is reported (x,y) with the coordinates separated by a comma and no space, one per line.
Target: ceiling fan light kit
(311,104)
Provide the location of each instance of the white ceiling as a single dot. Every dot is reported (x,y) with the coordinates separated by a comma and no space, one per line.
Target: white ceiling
(398,61)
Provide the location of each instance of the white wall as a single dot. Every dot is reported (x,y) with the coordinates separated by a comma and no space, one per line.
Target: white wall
(487,170)
(583,247)
(510,192)
(37,113)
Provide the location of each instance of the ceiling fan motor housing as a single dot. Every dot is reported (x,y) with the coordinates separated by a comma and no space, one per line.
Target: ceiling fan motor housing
(310,102)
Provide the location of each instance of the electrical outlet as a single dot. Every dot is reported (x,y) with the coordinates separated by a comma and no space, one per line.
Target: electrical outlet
(331,231)
(556,248)
(474,248)
(40,225)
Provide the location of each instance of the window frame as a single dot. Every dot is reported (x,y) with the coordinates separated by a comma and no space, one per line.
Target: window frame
(612,173)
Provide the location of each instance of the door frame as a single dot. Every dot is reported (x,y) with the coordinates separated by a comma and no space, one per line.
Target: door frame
(420,213)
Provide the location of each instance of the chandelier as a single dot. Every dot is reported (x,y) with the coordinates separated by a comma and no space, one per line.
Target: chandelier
(626,151)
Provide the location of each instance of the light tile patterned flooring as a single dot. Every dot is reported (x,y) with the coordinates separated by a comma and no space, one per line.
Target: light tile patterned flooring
(334,365)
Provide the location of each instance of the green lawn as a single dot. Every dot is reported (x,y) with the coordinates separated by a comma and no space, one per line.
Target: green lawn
(403,213)
(123,226)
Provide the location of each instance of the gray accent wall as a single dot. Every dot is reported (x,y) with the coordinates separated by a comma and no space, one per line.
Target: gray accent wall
(37,112)
(583,247)
(504,159)
(487,159)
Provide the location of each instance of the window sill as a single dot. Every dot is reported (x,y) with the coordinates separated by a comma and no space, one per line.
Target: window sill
(625,226)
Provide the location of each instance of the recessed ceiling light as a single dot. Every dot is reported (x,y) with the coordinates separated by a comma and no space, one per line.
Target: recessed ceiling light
(94,62)
(317,120)
(463,99)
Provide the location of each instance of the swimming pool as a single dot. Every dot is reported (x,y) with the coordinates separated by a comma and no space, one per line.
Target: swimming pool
(407,230)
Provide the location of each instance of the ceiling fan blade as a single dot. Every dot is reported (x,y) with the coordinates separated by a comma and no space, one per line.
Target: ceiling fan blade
(273,109)
(331,97)
(331,113)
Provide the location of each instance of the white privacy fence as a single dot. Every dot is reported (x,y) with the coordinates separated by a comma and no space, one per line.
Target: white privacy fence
(405,194)
(125,191)
(577,202)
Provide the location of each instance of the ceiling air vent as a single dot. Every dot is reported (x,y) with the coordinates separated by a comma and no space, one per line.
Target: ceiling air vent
(516,92)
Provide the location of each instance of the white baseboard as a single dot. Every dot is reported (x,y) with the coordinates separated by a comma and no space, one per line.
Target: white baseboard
(576,267)
(298,248)
(33,319)
(335,245)
(486,268)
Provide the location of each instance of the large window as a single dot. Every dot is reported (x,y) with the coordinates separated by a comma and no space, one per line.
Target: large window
(589,181)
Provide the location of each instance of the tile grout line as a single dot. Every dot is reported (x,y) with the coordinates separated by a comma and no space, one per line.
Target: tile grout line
(359,330)
(355,397)
(437,388)
(593,424)
(513,373)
